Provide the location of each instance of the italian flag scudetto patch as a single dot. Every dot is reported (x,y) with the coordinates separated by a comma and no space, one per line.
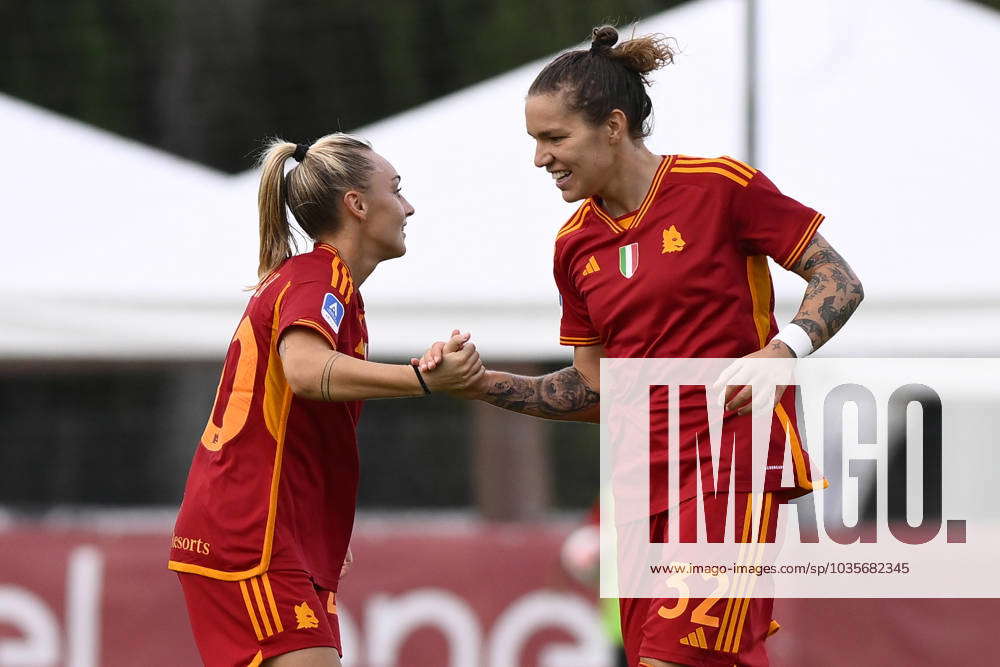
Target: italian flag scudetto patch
(628,259)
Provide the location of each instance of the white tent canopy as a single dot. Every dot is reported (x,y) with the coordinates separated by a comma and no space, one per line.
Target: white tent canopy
(880,114)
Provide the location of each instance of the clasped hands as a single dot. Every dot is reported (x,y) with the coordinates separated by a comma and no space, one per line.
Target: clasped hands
(453,367)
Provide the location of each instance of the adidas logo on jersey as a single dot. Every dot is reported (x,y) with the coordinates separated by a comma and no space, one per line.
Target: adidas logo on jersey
(696,639)
(591,267)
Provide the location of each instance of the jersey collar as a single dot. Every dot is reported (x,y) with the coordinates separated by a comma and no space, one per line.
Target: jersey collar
(325,246)
(340,272)
(634,218)
(337,260)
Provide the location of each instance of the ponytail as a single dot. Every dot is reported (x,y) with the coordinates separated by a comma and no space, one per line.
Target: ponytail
(312,190)
(276,242)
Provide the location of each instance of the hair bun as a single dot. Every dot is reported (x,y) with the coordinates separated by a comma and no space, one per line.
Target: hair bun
(604,38)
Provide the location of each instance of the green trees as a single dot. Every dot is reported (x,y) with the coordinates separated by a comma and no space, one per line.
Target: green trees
(207,79)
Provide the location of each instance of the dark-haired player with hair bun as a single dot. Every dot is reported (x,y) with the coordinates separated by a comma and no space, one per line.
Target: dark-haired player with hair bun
(667,257)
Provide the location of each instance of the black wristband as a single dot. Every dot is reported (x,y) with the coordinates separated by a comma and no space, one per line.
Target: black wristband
(427,391)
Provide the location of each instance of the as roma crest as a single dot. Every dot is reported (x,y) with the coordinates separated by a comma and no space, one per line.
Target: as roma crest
(672,240)
(628,259)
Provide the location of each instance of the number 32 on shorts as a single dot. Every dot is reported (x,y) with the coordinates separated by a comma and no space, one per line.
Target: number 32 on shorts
(700,613)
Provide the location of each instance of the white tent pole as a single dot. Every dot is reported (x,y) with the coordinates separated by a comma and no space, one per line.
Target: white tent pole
(751,81)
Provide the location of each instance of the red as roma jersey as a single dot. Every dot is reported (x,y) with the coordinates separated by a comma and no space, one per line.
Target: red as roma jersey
(274,480)
(685,276)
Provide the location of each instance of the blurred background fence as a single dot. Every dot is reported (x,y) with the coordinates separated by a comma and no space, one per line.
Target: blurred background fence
(207,81)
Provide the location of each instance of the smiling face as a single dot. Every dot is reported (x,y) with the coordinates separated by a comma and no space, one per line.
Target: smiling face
(386,211)
(579,155)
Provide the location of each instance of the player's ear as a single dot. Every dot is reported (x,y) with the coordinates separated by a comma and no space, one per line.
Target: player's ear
(355,204)
(617,126)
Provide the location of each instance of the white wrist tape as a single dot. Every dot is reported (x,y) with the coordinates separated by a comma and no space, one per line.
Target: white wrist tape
(796,338)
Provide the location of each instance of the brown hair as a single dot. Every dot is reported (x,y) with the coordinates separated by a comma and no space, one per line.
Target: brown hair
(312,190)
(608,77)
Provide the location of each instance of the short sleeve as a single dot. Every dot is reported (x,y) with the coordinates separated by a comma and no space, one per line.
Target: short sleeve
(312,305)
(769,223)
(575,327)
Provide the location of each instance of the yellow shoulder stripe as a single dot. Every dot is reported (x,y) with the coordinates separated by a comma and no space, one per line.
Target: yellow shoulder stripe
(574,223)
(741,167)
(714,170)
(737,163)
(796,252)
(580,342)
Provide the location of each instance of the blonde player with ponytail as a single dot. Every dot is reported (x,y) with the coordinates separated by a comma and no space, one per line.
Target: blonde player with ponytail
(262,535)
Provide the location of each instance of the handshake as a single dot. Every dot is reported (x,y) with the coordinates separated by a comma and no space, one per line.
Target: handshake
(453,367)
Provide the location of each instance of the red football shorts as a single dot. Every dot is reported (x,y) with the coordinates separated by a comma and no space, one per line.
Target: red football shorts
(702,632)
(242,623)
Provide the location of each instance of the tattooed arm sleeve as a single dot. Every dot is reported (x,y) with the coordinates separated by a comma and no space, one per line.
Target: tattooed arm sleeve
(832,295)
(572,393)
(561,395)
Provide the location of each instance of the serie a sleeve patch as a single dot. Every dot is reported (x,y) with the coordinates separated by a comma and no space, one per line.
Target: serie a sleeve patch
(333,311)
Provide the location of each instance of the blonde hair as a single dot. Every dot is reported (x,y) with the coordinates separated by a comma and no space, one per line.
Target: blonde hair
(312,190)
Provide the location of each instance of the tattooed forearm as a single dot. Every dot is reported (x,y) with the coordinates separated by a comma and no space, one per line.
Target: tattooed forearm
(817,284)
(840,279)
(560,395)
(832,295)
(821,253)
(835,317)
(811,327)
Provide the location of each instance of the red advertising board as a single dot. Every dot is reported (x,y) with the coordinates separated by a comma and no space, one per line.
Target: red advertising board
(423,593)
(437,593)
